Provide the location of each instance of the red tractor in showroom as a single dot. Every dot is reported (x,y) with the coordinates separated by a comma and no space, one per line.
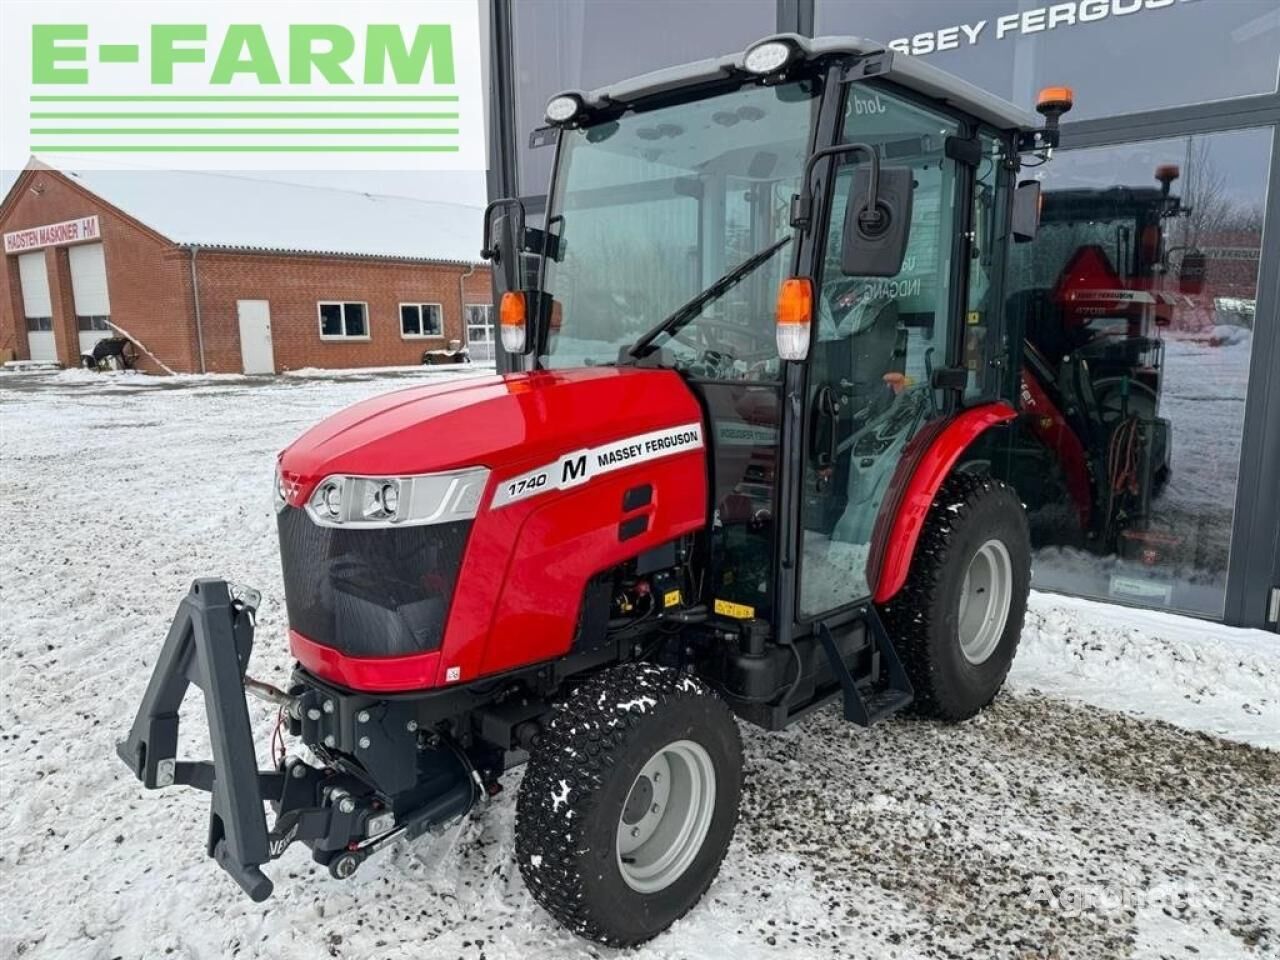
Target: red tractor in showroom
(733,479)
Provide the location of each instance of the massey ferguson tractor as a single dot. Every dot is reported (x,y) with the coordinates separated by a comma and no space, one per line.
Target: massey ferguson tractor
(1091,365)
(733,478)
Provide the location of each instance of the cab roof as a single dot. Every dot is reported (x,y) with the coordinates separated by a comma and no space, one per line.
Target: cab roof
(909,72)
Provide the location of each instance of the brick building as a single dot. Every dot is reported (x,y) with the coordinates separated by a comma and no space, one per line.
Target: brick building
(222,273)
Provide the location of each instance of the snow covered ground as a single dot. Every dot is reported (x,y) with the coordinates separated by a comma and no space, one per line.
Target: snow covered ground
(1120,799)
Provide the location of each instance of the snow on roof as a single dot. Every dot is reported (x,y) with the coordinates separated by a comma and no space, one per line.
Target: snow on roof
(243,213)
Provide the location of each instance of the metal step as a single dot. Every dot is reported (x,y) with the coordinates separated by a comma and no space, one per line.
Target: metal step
(884,703)
(893,691)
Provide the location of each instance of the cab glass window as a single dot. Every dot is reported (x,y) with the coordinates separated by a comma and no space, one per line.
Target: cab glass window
(877,341)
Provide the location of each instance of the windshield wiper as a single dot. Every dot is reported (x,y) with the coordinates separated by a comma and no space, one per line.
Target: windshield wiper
(681,315)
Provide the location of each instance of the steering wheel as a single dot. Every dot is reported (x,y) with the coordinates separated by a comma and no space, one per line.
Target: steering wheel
(695,338)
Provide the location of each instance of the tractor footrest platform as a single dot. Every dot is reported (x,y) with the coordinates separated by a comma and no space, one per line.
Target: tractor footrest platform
(861,706)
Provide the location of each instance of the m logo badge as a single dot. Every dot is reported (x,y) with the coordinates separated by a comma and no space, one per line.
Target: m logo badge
(574,470)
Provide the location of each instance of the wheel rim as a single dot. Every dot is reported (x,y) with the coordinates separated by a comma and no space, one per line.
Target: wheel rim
(985,598)
(666,816)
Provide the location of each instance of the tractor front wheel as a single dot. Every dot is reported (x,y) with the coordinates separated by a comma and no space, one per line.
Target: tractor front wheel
(629,802)
(956,621)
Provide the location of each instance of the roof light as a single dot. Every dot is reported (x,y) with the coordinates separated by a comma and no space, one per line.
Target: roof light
(563,108)
(768,57)
(794,317)
(511,319)
(1055,101)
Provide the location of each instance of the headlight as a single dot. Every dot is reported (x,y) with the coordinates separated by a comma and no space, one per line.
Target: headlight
(280,489)
(364,502)
(767,57)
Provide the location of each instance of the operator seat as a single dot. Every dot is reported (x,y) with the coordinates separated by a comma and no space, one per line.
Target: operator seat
(858,346)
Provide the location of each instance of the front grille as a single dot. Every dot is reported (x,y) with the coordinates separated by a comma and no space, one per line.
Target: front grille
(370,593)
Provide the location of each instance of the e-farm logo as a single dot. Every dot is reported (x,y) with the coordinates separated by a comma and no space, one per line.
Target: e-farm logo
(241,84)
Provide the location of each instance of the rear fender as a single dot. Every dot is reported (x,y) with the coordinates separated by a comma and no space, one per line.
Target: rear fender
(926,464)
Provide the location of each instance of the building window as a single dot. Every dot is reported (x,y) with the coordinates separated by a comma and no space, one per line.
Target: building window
(421,320)
(343,321)
(40,324)
(480,331)
(93,324)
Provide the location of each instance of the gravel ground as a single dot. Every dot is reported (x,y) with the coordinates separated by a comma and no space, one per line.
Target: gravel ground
(1046,827)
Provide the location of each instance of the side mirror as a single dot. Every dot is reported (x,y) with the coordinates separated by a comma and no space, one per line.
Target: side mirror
(1026,211)
(503,239)
(1191,272)
(875,241)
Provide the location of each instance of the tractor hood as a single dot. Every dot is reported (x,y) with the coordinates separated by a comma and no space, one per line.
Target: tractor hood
(506,423)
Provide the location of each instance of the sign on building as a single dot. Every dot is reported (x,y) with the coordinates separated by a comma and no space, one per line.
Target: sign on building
(52,235)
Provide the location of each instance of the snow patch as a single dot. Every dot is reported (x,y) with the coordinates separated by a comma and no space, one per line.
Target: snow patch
(638,705)
(1192,673)
(560,799)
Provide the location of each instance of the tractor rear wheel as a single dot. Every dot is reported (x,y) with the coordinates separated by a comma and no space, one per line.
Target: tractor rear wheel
(956,621)
(629,802)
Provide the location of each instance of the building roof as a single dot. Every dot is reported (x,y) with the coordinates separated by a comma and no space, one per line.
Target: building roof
(237,212)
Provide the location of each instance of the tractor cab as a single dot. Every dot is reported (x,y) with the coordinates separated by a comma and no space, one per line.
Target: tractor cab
(1107,255)
(814,236)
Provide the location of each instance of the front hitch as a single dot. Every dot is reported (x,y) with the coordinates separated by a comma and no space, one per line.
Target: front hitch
(338,814)
(208,644)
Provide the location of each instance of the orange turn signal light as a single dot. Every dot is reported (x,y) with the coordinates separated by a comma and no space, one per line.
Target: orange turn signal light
(512,311)
(795,301)
(512,314)
(794,315)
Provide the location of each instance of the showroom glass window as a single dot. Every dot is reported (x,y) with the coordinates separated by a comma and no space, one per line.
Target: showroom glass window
(1137,303)
(582,44)
(1120,56)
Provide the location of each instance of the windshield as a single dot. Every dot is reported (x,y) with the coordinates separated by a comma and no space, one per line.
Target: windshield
(655,207)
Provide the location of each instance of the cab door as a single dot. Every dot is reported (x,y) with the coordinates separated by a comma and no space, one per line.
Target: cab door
(877,341)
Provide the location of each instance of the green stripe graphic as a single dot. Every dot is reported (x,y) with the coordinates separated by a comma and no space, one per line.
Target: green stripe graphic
(215,131)
(248,148)
(326,115)
(229,98)
(100,107)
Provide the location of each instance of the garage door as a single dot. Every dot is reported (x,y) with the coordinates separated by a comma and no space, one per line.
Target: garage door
(89,291)
(38,306)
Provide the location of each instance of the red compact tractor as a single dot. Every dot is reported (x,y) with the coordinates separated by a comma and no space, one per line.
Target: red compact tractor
(759,330)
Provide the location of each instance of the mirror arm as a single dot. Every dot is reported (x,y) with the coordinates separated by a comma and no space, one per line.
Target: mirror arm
(802,203)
